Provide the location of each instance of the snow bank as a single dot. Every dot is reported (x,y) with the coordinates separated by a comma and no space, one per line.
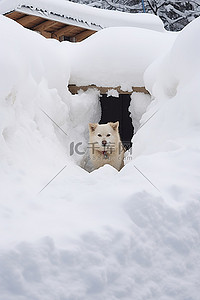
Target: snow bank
(116,56)
(173,81)
(112,235)
(33,93)
(28,84)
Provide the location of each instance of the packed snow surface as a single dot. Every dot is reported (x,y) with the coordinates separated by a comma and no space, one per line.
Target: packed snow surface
(70,235)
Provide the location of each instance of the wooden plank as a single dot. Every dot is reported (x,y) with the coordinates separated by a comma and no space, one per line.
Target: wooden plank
(83,35)
(60,32)
(68,30)
(46,34)
(56,26)
(14,15)
(26,21)
(140,89)
(44,25)
(103,90)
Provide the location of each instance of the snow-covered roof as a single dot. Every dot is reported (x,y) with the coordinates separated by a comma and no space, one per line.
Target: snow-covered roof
(81,15)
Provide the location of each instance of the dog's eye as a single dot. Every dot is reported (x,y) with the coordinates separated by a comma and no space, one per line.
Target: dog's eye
(99,135)
(108,134)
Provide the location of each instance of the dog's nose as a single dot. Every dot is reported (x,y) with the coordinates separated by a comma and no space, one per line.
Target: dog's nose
(104,142)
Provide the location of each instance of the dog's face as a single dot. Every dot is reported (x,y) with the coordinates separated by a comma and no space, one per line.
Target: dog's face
(105,136)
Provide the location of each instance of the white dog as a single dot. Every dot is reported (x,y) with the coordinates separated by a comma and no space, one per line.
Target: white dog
(105,145)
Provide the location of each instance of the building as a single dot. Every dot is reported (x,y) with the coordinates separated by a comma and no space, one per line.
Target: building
(65,20)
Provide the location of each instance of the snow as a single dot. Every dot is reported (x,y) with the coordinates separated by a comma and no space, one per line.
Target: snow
(173,80)
(81,15)
(138,106)
(116,56)
(132,234)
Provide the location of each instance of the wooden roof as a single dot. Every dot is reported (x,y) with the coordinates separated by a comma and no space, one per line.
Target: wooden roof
(50,28)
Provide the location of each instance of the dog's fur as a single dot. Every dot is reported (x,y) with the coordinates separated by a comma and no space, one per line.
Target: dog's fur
(105,145)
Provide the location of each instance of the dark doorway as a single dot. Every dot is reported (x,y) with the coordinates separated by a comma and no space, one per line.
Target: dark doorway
(116,109)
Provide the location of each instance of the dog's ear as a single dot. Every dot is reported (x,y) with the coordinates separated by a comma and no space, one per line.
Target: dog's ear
(92,126)
(114,125)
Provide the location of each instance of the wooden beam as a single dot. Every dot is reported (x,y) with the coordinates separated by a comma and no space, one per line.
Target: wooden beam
(83,35)
(46,34)
(25,21)
(68,31)
(15,15)
(103,90)
(44,25)
(60,32)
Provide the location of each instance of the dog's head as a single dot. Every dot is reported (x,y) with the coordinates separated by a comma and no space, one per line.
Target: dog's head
(105,136)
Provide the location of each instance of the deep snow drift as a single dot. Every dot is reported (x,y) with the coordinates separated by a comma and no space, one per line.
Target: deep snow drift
(100,235)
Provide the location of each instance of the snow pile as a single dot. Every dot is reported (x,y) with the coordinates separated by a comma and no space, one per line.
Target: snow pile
(33,93)
(27,86)
(173,80)
(116,56)
(112,235)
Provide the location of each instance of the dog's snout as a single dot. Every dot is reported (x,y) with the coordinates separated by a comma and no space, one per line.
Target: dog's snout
(104,142)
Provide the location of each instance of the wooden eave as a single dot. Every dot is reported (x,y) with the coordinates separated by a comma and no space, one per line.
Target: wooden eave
(50,28)
(74,89)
